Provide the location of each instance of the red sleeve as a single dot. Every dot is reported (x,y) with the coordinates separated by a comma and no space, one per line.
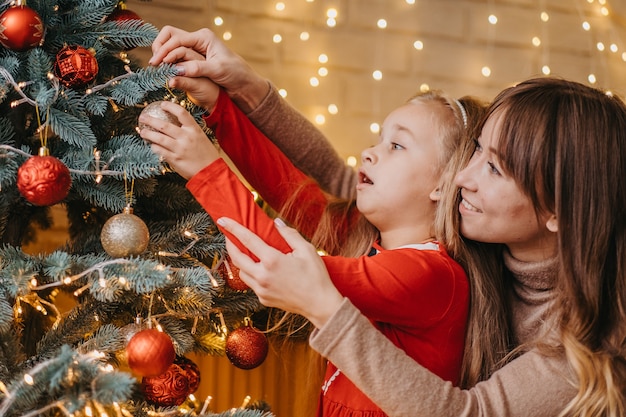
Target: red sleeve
(221,194)
(265,167)
(401,286)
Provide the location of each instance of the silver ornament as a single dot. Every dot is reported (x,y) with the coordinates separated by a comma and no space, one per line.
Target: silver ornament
(124,235)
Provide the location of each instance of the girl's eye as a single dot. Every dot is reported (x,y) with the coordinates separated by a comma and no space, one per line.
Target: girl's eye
(396,146)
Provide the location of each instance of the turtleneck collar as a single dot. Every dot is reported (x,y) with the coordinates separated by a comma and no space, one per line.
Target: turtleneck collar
(538,276)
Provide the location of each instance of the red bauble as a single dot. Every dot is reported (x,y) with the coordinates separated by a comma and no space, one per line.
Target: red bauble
(191,370)
(246,347)
(230,274)
(120,15)
(150,352)
(21,28)
(43,180)
(75,66)
(168,389)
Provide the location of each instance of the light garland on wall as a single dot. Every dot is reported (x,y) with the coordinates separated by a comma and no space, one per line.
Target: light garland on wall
(588,10)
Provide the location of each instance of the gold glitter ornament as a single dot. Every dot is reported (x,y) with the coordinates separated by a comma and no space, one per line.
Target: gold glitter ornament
(124,235)
(155,110)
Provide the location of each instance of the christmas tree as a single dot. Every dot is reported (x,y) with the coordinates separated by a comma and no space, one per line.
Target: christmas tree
(144,265)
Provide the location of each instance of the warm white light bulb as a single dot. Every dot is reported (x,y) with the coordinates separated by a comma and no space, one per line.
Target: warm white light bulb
(304,36)
(277,38)
(282,92)
(545,70)
(536,41)
(419,45)
(493,19)
(227,36)
(424,88)
(314,81)
(377,75)
(322,59)
(381,23)
(280,6)
(545,16)
(586,26)
(320,119)
(322,71)
(374,128)
(486,71)
(218,21)
(351,161)
(333,109)
(591,78)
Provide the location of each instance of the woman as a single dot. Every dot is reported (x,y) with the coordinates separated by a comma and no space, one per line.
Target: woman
(539,189)
(558,288)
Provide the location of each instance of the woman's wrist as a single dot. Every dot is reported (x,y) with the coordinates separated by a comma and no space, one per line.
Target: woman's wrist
(251,95)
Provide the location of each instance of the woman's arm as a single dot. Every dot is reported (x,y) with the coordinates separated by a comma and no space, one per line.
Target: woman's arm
(533,385)
(202,54)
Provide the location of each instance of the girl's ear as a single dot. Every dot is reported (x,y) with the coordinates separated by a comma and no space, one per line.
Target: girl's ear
(552,224)
(435,195)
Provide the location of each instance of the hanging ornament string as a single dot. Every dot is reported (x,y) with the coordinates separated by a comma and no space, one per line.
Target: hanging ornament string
(41,129)
(128,191)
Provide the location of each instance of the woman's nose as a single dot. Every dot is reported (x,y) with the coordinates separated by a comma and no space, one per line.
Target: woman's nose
(466,177)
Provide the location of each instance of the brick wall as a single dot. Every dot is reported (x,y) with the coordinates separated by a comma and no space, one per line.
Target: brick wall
(458,41)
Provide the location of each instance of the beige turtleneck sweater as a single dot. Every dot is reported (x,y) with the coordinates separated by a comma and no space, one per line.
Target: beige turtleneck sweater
(531,385)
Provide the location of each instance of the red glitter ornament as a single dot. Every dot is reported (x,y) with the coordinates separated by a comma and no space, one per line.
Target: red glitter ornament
(168,389)
(230,274)
(246,347)
(43,179)
(21,28)
(75,66)
(191,370)
(122,14)
(150,352)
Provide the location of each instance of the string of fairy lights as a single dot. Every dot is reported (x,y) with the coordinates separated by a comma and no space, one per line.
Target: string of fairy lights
(595,19)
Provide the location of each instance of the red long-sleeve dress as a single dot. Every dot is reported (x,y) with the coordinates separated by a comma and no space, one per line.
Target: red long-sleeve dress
(416,295)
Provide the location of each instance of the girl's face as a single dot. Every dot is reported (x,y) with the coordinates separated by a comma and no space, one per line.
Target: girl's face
(495,210)
(398,174)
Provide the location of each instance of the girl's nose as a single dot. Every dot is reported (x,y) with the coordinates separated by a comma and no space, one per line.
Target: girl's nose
(368,155)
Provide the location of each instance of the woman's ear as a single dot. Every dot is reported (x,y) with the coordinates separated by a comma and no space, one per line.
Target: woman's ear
(552,224)
(435,195)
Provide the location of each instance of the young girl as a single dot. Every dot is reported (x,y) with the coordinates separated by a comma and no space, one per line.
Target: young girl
(403,280)
(547,200)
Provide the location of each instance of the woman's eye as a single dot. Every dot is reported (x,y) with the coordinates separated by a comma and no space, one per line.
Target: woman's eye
(493,168)
(477,147)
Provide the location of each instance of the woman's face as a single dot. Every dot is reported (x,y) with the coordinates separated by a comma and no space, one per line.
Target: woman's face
(493,207)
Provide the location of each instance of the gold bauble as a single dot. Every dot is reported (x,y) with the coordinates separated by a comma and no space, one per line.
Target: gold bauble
(155,110)
(124,235)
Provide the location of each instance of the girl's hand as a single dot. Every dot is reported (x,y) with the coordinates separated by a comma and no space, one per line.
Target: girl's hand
(297,282)
(186,147)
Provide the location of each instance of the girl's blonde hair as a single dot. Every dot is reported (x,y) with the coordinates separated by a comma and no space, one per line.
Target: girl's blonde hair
(452,118)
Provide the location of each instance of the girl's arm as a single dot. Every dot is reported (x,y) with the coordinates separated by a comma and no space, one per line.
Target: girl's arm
(266,168)
(202,54)
(406,287)
(304,144)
